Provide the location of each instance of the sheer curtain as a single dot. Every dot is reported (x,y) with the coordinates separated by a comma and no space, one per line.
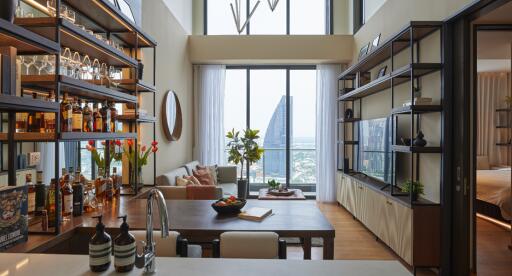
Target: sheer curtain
(326,91)
(47,164)
(492,90)
(209,120)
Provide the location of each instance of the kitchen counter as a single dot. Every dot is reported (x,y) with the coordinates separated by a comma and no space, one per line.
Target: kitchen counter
(28,264)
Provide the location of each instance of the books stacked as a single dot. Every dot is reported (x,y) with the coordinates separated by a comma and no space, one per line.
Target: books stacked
(419,101)
(255,214)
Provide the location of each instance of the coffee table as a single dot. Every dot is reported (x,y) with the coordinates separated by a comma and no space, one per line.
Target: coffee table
(264,195)
(198,222)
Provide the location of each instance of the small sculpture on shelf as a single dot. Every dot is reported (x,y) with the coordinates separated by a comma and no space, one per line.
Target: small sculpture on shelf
(419,141)
(415,188)
(349,113)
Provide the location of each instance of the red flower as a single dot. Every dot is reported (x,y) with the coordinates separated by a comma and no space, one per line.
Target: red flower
(118,143)
(91,142)
(154,143)
(143,148)
(154,149)
(129,142)
(90,148)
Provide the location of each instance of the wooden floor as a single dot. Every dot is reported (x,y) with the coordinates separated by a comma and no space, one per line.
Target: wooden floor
(354,242)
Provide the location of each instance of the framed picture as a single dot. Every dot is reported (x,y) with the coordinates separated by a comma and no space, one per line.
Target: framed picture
(375,42)
(382,72)
(126,9)
(364,50)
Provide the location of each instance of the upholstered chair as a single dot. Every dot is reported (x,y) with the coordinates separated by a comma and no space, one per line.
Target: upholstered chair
(249,245)
(172,246)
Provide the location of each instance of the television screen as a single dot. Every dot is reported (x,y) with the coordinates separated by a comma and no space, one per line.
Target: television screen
(375,157)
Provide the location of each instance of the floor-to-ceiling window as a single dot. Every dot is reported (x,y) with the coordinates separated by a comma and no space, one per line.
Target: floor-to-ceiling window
(279,101)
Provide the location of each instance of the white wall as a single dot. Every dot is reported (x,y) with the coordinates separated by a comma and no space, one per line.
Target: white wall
(174,71)
(371,7)
(182,11)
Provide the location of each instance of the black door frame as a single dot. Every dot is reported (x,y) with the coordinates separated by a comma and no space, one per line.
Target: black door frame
(458,195)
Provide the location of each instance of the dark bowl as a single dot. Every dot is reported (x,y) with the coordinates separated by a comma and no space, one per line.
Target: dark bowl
(229,209)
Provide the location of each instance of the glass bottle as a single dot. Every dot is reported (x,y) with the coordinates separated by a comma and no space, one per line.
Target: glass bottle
(113,117)
(66,111)
(87,118)
(51,207)
(40,194)
(109,187)
(32,123)
(99,184)
(31,194)
(21,122)
(63,177)
(78,117)
(105,113)
(97,119)
(78,196)
(67,199)
(117,182)
(90,202)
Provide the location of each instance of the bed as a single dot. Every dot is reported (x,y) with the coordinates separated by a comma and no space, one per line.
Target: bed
(493,193)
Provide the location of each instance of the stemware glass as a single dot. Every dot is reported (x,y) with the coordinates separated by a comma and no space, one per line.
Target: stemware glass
(40,62)
(70,15)
(77,61)
(51,6)
(114,75)
(28,61)
(50,68)
(65,60)
(86,68)
(104,73)
(96,67)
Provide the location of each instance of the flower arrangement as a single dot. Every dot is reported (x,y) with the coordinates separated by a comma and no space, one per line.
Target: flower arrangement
(99,159)
(142,155)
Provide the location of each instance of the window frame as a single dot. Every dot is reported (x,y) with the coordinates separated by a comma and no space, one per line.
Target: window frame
(288,68)
(329,21)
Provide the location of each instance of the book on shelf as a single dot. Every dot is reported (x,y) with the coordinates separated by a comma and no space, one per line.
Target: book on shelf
(419,101)
(255,214)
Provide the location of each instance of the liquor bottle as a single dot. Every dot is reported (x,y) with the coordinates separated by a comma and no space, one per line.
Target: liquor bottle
(49,118)
(51,207)
(97,119)
(67,199)
(66,111)
(21,122)
(63,177)
(87,118)
(31,194)
(109,187)
(78,117)
(70,176)
(32,123)
(78,196)
(90,202)
(99,184)
(40,194)
(117,182)
(105,113)
(113,117)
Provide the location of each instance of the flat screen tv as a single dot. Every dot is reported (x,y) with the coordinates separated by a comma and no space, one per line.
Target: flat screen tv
(375,156)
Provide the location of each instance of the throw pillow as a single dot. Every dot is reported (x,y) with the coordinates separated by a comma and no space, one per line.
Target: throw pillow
(204,176)
(192,179)
(181,181)
(213,172)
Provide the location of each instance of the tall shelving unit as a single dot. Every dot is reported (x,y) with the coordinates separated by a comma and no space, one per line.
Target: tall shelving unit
(48,35)
(363,195)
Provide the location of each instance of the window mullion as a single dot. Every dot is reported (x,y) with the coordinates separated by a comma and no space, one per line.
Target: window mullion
(288,17)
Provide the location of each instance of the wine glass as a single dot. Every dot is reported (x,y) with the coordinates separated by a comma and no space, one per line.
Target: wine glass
(104,73)
(28,61)
(77,61)
(65,60)
(96,66)
(51,6)
(40,62)
(50,68)
(86,68)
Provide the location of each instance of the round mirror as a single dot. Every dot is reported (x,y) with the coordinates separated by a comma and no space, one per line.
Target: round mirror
(171,116)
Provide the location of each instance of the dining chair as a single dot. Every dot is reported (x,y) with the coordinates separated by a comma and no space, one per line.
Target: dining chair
(249,245)
(172,246)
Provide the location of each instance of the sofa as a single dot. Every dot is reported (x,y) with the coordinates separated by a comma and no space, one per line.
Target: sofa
(226,178)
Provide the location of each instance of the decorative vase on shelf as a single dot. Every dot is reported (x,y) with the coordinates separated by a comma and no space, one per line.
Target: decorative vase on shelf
(419,141)
(8,9)
(349,113)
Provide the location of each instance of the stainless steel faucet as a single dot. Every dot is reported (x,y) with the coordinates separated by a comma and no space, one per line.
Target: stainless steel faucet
(146,260)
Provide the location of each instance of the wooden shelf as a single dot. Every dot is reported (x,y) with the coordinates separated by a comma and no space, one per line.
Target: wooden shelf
(138,119)
(77,40)
(399,42)
(25,41)
(130,86)
(111,19)
(414,149)
(503,144)
(398,76)
(83,136)
(503,109)
(348,142)
(416,109)
(26,104)
(348,120)
(76,87)
(503,127)
(30,137)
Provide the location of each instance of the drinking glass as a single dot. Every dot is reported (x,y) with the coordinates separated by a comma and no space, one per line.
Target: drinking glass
(104,73)
(50,68)
(28,61)
(70,15)
(96,66)
(40,62)
(77,61)
(65,61)
(86,69)
(51,6)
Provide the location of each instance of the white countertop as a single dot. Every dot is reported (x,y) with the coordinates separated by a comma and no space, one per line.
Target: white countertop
(54,265)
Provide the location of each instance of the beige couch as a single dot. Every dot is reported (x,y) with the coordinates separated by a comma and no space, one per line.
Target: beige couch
(226,177)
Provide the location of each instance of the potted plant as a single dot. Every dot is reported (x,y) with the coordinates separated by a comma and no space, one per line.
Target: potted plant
(99,159)
(243,149)
(273,184)
(414,187)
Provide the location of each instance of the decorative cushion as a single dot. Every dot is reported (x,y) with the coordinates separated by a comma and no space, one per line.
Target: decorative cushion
(193,179)
(249,245)
(182,181)
(191,166)
(204,176)
(213,172)
(169,179)
(482,163)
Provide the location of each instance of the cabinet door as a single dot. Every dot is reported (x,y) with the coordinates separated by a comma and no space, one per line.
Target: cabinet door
(402,243)
(350,194)
(361,202)
(387,220)
(371,213)
(339,183)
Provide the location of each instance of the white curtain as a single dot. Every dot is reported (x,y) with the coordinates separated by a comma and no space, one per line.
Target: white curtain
(326,91)
(47,163)
(492,90)
(209,120)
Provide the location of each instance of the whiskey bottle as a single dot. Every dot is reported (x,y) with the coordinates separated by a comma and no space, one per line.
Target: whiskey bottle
(90,202)
(77,118)
(51,207)
(105,113)
(113,117)
(67,199)
(40,194)
(32,120)
(99,184)
(78,196)
(21,122)
(97,119)
(64,177)
(49,118)
(66,111)
(117,182)
(31,194)
(87,118)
